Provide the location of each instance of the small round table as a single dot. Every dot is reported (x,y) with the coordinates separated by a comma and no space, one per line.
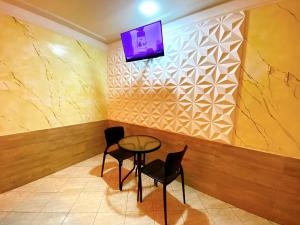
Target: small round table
(139,144)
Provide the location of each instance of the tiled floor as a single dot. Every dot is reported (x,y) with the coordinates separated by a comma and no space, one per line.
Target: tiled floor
(78,196)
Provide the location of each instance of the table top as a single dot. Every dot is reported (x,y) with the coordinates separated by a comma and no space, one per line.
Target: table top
(140,143)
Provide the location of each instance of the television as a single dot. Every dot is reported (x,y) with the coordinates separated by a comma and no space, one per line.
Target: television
(143,42)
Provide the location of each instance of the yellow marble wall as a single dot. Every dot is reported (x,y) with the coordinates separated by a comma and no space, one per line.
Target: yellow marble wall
(268,112)
(48,80)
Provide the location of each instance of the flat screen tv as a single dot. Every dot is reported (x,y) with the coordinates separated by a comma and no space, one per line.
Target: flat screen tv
(143,42)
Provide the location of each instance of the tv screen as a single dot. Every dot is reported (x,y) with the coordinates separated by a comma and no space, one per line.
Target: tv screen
(144,42)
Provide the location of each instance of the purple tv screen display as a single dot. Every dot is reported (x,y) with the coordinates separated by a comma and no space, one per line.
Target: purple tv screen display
(143,42)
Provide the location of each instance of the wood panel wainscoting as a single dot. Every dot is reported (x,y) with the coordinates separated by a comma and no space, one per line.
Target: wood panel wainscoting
(264,184)
(26,157)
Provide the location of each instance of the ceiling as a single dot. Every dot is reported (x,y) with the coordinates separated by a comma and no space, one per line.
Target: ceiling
(104,20)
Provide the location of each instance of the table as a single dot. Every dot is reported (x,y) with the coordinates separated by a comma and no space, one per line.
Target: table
(139,144)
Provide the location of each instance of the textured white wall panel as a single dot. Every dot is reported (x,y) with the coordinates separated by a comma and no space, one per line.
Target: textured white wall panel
(191,90)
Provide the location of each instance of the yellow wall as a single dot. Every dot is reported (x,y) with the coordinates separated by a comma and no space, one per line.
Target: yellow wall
(268,112)
(48,80)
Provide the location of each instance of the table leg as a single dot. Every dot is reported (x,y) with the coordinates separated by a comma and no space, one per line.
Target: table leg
(139,163)
(141,188)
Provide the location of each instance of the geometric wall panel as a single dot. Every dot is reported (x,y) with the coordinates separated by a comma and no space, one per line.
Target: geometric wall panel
(191,90)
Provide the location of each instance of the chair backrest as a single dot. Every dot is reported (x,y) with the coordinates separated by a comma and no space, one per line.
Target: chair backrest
(173,161)
(113,135)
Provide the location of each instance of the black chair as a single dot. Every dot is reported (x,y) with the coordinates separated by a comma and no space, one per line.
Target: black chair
(112,136)
(166,172)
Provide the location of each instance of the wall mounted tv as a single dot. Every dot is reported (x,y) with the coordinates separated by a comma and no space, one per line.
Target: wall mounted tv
(143,42)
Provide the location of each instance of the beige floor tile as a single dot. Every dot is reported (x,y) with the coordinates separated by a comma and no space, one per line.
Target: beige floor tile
(248,218)
(195,217)
(80,219)
(93,194)
(192,199)
(109,219)
(117,195)
(61,202)
(109,159)
(173,218)
(109,206)
(68,172)
(134,206)
(130,184)
(134,218)
(30,187)
(34,202)
(49,219)
(83,172)
(3,215)
(111,175)
(179,195)
(78,196)
(173,204)
(88,202)
(177,186)
(10,200)
(195,204)
(147,180)
(95,185)
(19,218)
(190,195)
(95,179)
(148,191)
(50,184)
(212,203)
(74,185)
(190,189)
(223,217)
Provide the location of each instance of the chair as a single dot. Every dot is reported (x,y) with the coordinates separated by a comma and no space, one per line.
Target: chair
(166,172)
(112,136)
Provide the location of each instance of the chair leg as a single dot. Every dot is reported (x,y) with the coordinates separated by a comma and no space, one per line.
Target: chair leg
(165,202)
(155,183)
(103,161)
(120,175)
(182,183)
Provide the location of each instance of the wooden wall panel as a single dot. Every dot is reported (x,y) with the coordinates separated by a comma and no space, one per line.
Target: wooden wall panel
(264,184)
(29,156)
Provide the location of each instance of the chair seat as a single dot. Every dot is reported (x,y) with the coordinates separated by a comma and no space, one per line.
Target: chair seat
(120,154)
(156,170)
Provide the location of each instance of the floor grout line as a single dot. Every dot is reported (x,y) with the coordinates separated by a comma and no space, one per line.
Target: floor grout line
(74,172)
(72,205)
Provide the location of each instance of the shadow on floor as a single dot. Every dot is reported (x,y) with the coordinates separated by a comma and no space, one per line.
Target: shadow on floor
(152,205)
(111,174)
(176,210)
